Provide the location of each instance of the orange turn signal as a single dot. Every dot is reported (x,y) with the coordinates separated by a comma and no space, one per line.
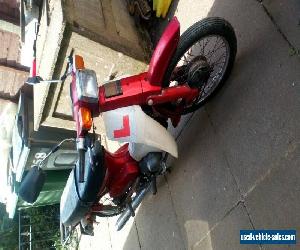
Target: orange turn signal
(79,63)
(85,118)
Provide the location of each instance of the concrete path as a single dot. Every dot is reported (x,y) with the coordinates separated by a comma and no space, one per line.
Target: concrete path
(239,162)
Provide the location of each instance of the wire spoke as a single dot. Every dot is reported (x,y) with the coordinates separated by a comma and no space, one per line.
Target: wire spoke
(217,63)
(219,58)
(214,49)
(203,47)
(214,46)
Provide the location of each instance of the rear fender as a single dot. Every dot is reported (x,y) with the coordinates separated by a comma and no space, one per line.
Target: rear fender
(163,53)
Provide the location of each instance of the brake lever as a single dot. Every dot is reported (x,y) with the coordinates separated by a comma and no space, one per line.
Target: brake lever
(68,70)
(64,76)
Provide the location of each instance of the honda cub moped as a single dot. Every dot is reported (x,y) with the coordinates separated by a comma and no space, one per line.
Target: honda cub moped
(184,73)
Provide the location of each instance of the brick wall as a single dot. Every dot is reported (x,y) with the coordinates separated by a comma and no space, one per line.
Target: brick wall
(9,49)
(12,73)
(9,10)
(10,81)
(3,103)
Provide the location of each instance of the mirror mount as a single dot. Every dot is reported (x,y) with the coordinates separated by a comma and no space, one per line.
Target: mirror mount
(33,80)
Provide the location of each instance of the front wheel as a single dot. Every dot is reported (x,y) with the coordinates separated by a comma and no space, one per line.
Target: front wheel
(204,59)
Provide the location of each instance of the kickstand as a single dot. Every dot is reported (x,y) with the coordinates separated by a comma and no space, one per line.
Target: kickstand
(131,209)
(153,185)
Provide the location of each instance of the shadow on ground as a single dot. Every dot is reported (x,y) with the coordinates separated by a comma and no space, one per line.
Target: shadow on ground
(238,165)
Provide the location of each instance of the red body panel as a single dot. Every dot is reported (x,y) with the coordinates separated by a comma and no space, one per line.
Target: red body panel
(138,91)
(125,130)
(173,93)
(163,53)
(135,92)
(122,171)
(33,69)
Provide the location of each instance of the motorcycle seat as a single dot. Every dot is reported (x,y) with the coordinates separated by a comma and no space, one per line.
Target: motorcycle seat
(77,198)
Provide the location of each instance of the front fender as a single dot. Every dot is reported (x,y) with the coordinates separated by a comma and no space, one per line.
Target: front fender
(131,124)
(163,52)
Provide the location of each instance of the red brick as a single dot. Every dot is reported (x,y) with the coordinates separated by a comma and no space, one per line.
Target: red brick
(3,103)
(19,81)
(9,48)
(10,8)
(13,50)
(11,80)
(5,43)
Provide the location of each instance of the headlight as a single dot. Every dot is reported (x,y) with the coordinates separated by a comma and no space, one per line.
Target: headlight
(86,86)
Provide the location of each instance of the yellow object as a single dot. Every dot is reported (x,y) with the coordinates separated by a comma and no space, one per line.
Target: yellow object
(85,118)
(79,63)
(161,7)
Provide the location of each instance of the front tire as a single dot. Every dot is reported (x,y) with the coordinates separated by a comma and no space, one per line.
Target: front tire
(201,34)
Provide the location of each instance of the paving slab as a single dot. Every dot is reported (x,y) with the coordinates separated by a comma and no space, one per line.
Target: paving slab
(106,237)
(244,141)
(202,187)
(274,203)
(176,131)
(127,238)
(286,14)
(226,234)
(156,221)
(256,115)
(279,247)
(101,239)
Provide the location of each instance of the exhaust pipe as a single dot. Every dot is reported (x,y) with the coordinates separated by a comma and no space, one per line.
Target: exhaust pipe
(125,216)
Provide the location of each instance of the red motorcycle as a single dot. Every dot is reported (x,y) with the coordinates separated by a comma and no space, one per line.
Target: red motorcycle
(184,73)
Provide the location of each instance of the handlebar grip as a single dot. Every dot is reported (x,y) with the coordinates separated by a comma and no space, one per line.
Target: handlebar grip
(81,164)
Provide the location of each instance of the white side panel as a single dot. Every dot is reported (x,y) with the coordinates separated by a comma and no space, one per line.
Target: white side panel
(131,124)
(138,150)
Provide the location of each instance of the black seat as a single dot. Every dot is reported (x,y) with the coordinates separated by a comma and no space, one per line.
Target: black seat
(77,198)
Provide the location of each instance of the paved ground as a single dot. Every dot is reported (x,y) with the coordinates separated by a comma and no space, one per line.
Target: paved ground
(239,156)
